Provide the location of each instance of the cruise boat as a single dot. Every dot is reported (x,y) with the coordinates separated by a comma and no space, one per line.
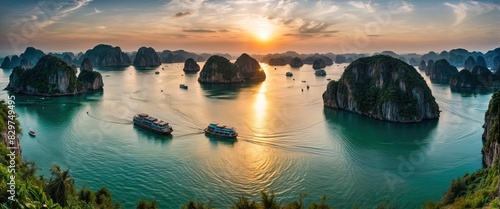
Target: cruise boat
(148,122)
(221,130)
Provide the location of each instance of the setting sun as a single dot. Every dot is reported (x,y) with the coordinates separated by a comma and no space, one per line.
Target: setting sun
(263,36)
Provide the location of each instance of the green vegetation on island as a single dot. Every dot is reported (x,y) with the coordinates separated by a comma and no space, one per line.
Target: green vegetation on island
(52,76)
(218,69)
(384,88)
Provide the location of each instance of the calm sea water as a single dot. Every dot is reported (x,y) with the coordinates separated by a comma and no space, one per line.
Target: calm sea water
(288,143)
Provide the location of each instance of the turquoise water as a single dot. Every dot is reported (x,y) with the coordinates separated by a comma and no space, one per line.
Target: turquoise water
(288,143)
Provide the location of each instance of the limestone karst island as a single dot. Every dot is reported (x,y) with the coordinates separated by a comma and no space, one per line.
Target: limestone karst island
(268,104)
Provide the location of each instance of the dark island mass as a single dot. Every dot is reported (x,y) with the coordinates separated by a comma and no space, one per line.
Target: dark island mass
(104,55)
(422,66)
(279,61)
(218,69)
(480,78)
(470,62)
(191,66)
(51,76)
(430,65)
(146,57)
(296,63)
(251,70)
(319,64)
(442,71)
(383,88)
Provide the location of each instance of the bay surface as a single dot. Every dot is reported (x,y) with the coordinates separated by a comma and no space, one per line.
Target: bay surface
(288,142)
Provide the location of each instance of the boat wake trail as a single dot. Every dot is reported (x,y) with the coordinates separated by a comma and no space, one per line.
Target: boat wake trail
(122,121)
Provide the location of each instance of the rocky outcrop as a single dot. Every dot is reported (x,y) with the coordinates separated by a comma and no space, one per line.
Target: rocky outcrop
(481,61)
(75,69)
(86,65)
(383,88)
(25,64)
(478,78)
(178,56)
(277,62)
(319,64)
(104,55)
(442,71)
(465,80)
(90,80)
(50,77)
(296,62)
(147,57)
(430,65)
(470,62)
(32,55)
(422,66)
(250,69)
(413,62)
(326,60)
(14,62)
(496,64)
(218,69)
(5,63)
(339,59)
(67,58)
(491,134)
(190,66)
(320,72)
(486,77)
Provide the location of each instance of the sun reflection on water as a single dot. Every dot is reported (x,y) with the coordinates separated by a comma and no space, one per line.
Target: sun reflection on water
(260,108)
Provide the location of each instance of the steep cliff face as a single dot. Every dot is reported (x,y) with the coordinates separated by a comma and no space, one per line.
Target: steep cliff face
(296,62)
(250,69)
(90,80)
(5,63)
(147,57)
(14,62)
(106,56)
(496,64)
(470,62)
(481,61)
(25,64)
(442,71)
(383,88)
(491,134)
(465,80)
(50,77)
(422,66)
(32,55)
(86,65)
(191,66)
(319,64)
(430,65)
(218,69)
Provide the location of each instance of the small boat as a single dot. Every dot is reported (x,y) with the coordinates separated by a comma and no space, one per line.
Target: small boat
(288,74)
(32,133)
(148,122)
(221,131)
(183,86)
(157,72)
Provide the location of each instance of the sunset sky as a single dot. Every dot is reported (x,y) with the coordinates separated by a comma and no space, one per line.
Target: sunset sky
(253,26)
